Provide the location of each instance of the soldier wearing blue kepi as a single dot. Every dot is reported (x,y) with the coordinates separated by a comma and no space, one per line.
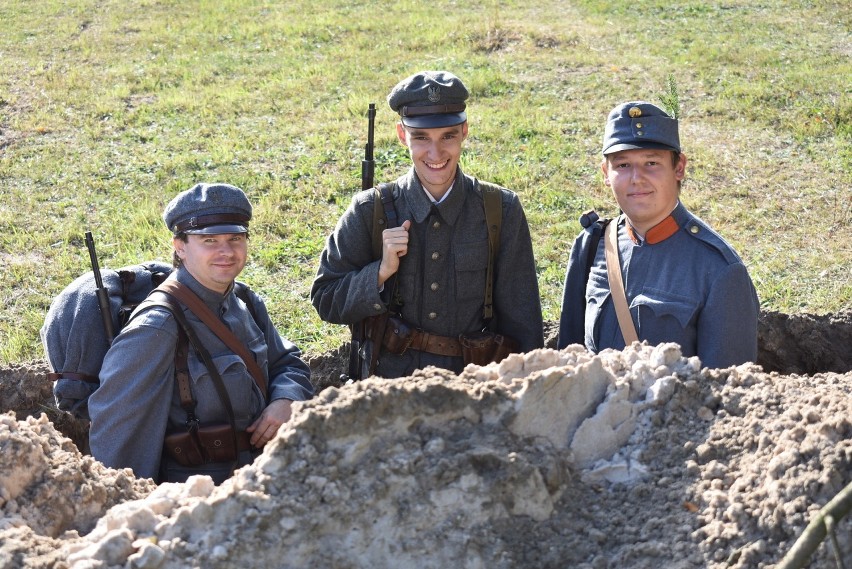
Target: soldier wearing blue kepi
(139,405)
(449,304)
(668,277)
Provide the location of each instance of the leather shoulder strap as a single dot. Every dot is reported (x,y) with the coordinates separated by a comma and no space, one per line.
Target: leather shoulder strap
(616,285)
(197,307)
(187,401)
(492,199)
(186,336)
(384,216)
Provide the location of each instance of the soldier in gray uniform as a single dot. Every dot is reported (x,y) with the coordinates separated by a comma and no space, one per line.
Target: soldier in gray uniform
(138,402)
(438,255)
(683,282)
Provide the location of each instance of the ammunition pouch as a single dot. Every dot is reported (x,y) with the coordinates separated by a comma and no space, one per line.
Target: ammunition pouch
(398,336)
(212,443)
(485,347)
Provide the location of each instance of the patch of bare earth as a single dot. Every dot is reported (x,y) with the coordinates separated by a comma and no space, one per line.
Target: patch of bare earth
(550,459)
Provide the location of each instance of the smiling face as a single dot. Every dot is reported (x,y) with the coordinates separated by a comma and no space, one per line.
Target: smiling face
(214,260)
(645,183)
(435,153)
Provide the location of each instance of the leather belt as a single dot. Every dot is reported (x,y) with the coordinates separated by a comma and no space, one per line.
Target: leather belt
(435,344)
(56,376)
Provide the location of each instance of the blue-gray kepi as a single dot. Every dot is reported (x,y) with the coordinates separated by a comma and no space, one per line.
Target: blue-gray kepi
(638,124)
(429,99)
(209,209)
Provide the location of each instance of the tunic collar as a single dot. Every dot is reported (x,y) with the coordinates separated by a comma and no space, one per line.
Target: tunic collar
(421,206)
(660,232)
(211,298)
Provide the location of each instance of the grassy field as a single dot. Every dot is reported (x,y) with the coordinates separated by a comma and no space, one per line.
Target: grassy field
(109,108)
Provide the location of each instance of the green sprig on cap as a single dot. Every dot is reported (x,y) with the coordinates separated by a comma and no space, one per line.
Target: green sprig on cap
(671,100)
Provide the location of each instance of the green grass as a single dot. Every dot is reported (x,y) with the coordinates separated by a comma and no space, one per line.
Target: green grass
(108,109)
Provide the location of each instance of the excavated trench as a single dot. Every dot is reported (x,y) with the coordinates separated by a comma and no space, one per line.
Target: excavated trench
(636,458)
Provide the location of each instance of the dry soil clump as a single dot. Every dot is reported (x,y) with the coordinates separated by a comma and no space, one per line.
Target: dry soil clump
(549,459)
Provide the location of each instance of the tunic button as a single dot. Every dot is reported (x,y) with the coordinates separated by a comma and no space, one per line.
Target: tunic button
(436,256)
(694,229)
(377,306)
(434,286)
(432,315)
(436,225)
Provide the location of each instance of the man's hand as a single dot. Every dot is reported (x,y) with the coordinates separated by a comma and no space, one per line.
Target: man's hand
(266,426)
(394,246)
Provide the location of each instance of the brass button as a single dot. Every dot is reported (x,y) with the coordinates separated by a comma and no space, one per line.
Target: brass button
(638,125)
(638,133)
(694,229)
(635,112)
(436,225)
(433,315)
(436,256)
(377,306)
(434,286)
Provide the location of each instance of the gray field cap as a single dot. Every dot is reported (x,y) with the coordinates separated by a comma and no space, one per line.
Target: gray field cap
(429,99)
(638,124)
(209,209)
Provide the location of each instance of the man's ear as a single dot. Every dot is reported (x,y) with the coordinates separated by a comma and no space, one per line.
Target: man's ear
(464,130)
(400,134)
(605,171)
(680,168)
(179,246)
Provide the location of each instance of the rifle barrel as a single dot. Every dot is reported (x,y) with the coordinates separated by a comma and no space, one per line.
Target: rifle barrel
(101,292)
(368,165)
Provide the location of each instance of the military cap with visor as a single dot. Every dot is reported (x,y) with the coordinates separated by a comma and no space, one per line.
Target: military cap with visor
(209,209)
(429,99)
(639,124)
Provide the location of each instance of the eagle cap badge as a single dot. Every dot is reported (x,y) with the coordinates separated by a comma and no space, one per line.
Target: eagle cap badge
(434,94)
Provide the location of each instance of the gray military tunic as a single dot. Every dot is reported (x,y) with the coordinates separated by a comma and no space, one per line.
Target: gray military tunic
(441,279)
(690,288)
(138,401)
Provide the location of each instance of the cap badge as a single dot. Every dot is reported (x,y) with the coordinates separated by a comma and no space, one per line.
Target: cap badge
(434,94)
(635,112)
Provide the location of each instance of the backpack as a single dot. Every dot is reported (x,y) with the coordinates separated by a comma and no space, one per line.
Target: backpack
(73,334)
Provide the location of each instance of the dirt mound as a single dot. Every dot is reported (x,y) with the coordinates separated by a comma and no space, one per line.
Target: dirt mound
(550,459)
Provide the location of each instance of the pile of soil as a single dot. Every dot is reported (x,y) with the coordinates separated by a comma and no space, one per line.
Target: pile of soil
(549,459)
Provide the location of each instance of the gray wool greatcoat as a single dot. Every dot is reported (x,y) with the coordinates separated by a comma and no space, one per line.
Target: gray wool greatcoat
(441,279)
(138,400)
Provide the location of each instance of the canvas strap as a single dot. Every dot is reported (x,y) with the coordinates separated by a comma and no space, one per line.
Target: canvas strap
(197,307)
(616,285)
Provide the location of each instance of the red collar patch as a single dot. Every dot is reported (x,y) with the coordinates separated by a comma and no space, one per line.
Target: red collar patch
(657,234)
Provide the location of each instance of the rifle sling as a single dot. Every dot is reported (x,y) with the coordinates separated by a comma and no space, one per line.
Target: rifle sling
(197,307)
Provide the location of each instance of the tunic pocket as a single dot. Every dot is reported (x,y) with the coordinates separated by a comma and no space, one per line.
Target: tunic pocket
(471,266)
(666,306)
(238,383)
